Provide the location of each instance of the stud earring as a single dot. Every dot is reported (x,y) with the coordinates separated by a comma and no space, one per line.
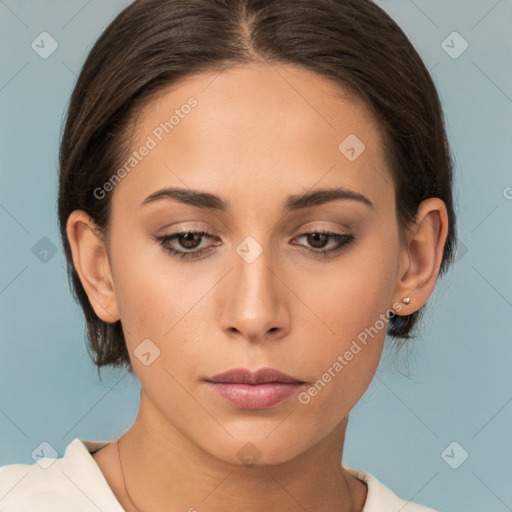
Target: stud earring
(406,300)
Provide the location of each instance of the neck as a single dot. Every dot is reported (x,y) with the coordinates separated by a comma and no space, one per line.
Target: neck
(164,470)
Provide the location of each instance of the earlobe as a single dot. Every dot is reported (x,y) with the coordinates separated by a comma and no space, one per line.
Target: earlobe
(422,256)
(91,263)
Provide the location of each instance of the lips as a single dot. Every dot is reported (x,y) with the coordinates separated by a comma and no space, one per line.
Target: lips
(245,376)
(260,389)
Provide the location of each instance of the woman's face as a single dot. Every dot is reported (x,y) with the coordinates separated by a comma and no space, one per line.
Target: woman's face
(256,291)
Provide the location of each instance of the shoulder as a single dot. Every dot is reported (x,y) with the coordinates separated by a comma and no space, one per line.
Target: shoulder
(381,498)
(72,482)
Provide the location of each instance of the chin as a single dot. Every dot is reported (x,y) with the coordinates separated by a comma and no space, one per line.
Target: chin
(258,449)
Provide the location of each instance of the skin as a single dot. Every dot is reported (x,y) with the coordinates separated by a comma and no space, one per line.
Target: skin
(254,128)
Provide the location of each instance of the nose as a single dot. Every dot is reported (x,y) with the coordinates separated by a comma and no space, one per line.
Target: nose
(254,305)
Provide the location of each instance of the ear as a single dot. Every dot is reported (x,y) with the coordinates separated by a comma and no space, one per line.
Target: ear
(421,256)
(91,262)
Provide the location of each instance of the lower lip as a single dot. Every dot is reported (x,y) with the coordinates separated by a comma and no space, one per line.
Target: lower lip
(255,396)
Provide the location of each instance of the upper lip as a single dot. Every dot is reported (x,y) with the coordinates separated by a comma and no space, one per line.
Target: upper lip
(246,376)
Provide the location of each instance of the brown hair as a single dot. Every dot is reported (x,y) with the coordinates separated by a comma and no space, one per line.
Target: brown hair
(154,43)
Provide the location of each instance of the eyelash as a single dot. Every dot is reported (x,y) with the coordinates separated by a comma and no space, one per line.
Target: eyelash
(343,241)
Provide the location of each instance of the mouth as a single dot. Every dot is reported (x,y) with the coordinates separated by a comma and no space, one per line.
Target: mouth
(259,389)
(245,376)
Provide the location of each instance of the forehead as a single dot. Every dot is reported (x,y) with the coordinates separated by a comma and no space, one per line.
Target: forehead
(276,124)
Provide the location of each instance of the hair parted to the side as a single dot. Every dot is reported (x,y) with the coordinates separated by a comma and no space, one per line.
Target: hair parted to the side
(152,44)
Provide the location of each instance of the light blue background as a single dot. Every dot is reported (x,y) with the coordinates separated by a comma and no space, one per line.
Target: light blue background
(458,386)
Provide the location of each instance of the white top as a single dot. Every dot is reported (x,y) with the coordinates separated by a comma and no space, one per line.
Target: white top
(75,482)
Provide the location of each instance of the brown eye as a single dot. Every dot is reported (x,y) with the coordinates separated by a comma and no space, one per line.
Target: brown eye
(192,240)
(318,240)
(188,241)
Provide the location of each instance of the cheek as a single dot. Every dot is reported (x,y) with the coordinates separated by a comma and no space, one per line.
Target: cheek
(342,366)
(353,300)
(146,297)
(349,294)
(159,300)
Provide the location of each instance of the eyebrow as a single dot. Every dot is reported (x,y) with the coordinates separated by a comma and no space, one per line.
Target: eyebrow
(210,201)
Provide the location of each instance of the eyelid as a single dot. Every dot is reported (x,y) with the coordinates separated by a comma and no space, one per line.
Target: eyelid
(333,228)
(185,226)
(201,225)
